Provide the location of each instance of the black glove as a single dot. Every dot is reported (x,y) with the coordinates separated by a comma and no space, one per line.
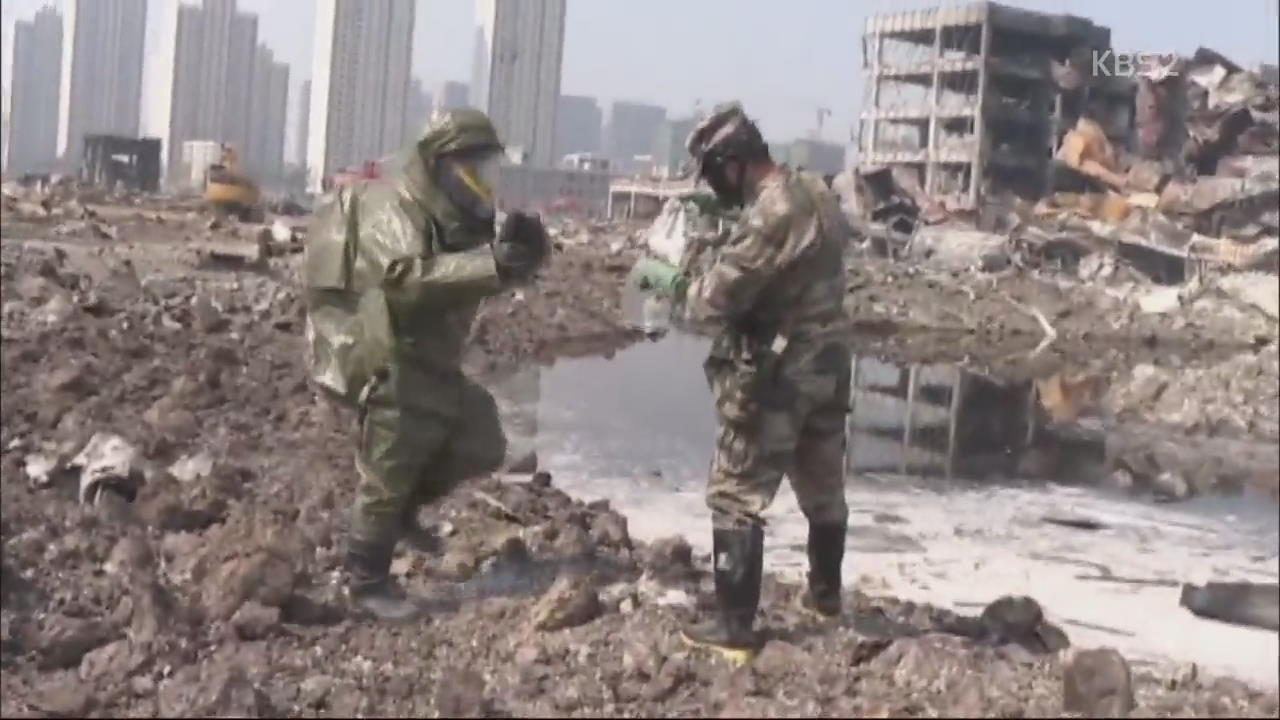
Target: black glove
(522,246)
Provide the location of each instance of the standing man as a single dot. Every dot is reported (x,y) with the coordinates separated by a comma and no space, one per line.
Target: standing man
(779,368)
(395,271)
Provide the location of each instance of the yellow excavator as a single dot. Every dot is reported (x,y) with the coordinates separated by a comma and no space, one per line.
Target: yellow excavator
(228,192)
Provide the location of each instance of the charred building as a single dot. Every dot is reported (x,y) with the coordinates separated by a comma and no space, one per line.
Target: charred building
(974,99)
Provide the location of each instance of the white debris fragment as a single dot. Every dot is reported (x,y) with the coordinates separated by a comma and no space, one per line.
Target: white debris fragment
(675,597)
(281,233)
(40,468)
(107,459)
(192,467)
(1160,300)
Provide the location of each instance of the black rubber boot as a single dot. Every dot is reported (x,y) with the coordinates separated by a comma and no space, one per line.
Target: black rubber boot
(739,563)
(370,585)
(415,535)
(826,553)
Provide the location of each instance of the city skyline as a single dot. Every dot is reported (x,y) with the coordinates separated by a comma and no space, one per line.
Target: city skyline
(360,81)
(596,46)
(516,73)
(605,40)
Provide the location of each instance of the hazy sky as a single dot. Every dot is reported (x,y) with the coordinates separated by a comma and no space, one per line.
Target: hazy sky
(782,58)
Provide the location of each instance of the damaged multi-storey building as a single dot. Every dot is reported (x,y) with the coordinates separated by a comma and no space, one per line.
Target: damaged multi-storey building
(973,100)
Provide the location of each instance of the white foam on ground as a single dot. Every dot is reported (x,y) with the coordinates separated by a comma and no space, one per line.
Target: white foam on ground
(962,548)
(638,430)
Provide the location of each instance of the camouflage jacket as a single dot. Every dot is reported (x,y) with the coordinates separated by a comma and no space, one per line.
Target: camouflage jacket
(779,277)
(379,285)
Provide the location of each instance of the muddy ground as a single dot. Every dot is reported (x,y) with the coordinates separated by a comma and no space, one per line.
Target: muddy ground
(217,589)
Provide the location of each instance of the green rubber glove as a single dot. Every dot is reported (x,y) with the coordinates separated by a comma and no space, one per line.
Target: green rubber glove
(651,274)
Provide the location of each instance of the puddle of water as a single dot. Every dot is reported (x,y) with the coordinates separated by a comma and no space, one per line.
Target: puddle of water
(638,430)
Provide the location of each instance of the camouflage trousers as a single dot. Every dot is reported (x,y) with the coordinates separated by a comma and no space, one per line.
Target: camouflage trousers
(420,434)
(785,417)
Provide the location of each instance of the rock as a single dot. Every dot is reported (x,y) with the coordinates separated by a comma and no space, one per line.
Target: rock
(56,312)
(616,595)
(541,479)
(64,699)
(131,557)
(462,694)
(1170,486)
(103,232)
(1147,382)
(1097,683)
(527,464)
(265,577)
(1121,479)
(114,658)
(1020,620)
(458,564)
(670,559)
(65,641)
(1182,677)
(142,686)
(610,530)
(219,692)
(255,621)
(779,658)
(208,316)
(314,691)
(571,601)
(574,542)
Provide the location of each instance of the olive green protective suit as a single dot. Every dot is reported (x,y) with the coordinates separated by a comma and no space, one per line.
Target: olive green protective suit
(394,274)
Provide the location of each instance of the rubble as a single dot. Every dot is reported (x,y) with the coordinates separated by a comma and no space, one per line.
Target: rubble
(213,584)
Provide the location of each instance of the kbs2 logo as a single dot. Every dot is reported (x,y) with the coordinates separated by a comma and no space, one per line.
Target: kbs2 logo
(1111,63)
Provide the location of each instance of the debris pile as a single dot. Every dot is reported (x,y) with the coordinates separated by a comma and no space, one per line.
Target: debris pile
(1197,192)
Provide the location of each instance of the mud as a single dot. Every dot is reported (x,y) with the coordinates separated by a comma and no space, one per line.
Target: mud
(216,589)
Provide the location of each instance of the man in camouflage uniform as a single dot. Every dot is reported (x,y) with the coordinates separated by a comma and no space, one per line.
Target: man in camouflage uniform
(779,368)
(395,271)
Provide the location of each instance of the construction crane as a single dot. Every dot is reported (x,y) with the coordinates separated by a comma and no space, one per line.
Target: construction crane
(823,114)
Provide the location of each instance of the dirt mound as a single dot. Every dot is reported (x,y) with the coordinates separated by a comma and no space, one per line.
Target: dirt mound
(211,586)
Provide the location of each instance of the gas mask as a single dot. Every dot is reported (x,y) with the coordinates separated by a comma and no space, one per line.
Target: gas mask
(467,180)
(716,170)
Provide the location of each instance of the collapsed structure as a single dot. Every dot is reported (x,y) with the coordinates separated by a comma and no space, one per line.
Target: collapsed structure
(110,160)
(993,134)
(975,98)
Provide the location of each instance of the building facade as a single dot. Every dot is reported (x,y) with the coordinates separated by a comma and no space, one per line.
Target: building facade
(582,193)
(360,78)
(959,98)
(669,150)
(101,86)
(418,111)
(630,133)
(817,156)
(201,84)
(451,95)
(579,124)
(268,105)
(304,122)
(516,73)
(32,144)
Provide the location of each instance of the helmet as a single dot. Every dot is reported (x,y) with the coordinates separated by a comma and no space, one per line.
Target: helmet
(459,130)
(726,133)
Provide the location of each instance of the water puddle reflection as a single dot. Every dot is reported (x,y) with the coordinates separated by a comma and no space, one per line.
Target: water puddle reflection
(638,430)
